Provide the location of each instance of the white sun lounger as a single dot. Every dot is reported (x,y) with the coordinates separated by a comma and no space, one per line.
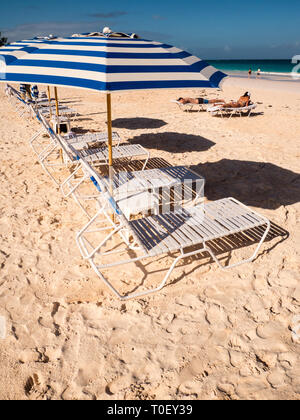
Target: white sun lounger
(140,192)
(63,110)
(22,105)
(100,156)
(97,156)
(83,141)
(169,233)
(78,141)
(219,110)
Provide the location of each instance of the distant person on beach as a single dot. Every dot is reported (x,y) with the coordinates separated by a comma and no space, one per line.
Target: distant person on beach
(250,73)
(241,103)
(199,101)
(258,73)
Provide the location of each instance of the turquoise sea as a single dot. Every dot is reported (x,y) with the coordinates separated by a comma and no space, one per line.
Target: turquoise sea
(284,67)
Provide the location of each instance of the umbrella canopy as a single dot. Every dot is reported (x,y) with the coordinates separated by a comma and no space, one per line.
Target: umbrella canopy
(106,64)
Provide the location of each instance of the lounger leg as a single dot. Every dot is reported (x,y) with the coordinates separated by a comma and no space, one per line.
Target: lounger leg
(33,138)
(47,151)
(244,261)
(162,284)
(66,182)
(146,161)
(80,240)
(147,292)
(44,165)
(77,201)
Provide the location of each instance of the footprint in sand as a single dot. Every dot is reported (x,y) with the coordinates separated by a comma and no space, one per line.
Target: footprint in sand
(35,388)
(216,317)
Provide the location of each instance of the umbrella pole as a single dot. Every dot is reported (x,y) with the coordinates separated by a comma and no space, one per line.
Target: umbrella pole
(109,130)
(57,109)
(109,135)
(49,100)
(57,119)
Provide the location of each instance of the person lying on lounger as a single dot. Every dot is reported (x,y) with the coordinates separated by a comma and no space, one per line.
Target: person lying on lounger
(199,101)
(244,101)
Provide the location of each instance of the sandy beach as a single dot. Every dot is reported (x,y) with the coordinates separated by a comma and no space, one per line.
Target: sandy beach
(208,334)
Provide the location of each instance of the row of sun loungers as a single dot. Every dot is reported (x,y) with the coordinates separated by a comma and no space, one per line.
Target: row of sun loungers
(154,212)
(41,103)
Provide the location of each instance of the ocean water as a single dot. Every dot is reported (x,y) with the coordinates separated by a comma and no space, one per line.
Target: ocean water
(276,67)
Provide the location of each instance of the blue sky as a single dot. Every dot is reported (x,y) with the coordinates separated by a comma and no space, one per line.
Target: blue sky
(216,29)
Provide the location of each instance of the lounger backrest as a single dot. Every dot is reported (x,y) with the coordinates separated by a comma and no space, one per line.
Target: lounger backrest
(43,121)
(14,92)
(102,186)
(71,152)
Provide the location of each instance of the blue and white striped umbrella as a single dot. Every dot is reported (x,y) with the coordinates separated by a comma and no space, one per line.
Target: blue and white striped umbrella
(106,64)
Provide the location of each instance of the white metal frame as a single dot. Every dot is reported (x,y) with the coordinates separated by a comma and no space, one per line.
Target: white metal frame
(143,197)
(233,111)
(247,218)
(82,141)
(63,110)
(21,106)
(70,155)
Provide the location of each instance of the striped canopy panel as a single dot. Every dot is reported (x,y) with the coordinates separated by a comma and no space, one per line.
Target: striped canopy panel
(106,64)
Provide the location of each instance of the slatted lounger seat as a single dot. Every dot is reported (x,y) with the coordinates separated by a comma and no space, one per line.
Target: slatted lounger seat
(78,141)
(57,143)
(100,156)
(166,187)
(63,110)
(83,141)
(141,192)
(187,227)
(217,110)
(167,234)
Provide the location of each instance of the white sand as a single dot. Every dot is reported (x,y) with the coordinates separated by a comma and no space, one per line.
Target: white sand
(207,334)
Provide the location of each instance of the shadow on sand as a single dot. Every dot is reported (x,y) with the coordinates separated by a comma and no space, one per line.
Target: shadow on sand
(138,123)
(244,115)
(255,184)
(173,142)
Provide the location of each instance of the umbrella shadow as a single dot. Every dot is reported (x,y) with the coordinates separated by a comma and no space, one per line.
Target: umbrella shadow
(81,119)
(256,184)
(173,142)
(135,165)
(138,123)
(69,102)
(80,130)
(95,113)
